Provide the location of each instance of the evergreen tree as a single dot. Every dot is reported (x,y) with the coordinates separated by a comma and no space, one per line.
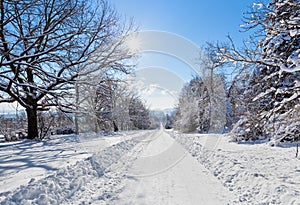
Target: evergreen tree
(139,114)
(273,91)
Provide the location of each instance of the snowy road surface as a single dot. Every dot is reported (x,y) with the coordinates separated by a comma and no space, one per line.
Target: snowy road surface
(145,167)
(164,173)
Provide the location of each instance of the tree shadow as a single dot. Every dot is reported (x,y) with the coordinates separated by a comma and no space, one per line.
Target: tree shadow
(26,154)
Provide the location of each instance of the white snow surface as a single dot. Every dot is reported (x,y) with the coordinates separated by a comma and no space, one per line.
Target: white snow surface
(254,173)
(147,167)
(54,171)
(164,173)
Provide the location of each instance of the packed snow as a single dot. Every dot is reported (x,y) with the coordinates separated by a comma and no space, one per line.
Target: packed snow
(254,173)
(148,167)
(164,173)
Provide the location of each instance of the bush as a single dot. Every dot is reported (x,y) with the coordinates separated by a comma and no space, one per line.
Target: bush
(65,130)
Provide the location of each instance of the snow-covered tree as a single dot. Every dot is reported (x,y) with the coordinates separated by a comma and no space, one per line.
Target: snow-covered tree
(109,105)
(214,83)
(237,99)
(193,109)
(120,114)
(273,91)
(138,113)
(169,121)
(46,44)
(104,103)
(281,44)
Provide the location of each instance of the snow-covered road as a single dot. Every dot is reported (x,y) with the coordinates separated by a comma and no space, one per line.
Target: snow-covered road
(145,167)
(164,173)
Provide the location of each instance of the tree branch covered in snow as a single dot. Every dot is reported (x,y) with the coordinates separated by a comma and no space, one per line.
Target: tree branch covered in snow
(275,40)
(46,45)
(273,56)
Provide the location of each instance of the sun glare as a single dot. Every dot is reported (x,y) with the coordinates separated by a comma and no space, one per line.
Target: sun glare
(134,43)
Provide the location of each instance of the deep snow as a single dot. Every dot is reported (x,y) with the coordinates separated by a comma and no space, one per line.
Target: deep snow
(57,170)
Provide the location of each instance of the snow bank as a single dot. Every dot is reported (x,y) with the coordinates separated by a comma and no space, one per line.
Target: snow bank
(74,182)
(256,174)
(23,160)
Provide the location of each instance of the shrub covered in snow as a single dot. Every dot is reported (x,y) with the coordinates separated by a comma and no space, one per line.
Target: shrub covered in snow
(246,130)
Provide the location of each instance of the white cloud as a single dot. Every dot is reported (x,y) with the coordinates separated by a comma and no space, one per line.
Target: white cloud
(150,89)
(172,93)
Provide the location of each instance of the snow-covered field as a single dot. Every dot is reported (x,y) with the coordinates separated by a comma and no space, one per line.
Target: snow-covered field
(55,170)
(147,167)
(254,173)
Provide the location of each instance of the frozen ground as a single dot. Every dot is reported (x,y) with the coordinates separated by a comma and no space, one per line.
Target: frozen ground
(147,167)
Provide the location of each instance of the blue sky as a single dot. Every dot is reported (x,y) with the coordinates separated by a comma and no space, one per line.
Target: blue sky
(196,21)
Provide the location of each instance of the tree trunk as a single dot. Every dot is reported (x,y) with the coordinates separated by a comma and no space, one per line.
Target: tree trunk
(32,123)
(116,129)
(76,108)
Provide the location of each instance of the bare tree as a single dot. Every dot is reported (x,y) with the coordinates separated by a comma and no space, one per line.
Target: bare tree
(46,44)
(215,85)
